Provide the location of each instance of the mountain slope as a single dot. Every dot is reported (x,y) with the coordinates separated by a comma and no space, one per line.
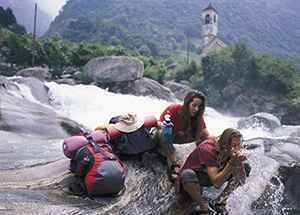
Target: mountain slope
(266,26)
(24,11)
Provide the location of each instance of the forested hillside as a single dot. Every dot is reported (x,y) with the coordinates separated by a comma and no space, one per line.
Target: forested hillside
(265,26)
(24,10)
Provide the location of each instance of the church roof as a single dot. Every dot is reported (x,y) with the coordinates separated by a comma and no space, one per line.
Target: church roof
(213,43)
(210,8)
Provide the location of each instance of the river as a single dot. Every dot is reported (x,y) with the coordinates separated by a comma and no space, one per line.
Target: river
(148,193)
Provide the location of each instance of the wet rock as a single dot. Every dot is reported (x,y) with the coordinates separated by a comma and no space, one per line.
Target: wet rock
(37,87)
(179,90)
(22,116)
(8,85)
(141,87)
(42,74)
(68,81)
(264,120)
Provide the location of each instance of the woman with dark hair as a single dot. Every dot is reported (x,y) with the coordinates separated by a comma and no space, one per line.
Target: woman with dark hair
(212,163)
(188,126)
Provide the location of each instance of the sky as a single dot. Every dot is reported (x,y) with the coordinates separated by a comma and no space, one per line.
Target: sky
(52,6)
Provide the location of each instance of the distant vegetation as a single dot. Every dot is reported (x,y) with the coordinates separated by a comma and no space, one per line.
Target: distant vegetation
(263,25)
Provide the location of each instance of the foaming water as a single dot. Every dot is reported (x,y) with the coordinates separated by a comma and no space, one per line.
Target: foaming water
(93,106)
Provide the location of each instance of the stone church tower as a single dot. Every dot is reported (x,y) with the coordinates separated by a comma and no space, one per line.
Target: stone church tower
(210,40)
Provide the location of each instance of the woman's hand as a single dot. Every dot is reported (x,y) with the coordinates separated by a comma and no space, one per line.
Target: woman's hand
(238,155)
(161,125)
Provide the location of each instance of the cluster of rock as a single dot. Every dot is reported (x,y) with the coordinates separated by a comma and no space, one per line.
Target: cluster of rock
(118,74)
(239,101)
(124,75)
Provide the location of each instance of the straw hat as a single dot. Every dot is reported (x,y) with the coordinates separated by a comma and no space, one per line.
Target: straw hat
(129,123)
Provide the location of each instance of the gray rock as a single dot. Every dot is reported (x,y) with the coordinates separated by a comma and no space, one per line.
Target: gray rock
(179,90)
(28,118)
(172,66)
(8,85)
(69,70)
(142,87)
(66,76)
(266,120)
(68,81)
(114,69)
(185,82)
(38,72)
(37,88)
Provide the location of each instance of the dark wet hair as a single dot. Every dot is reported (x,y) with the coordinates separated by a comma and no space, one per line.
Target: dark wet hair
(223,146)
(193,126)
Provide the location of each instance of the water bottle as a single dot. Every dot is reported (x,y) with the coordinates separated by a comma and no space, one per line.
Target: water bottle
(83,167)
(168,130)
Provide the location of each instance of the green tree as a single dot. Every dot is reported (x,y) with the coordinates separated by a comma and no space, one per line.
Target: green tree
(16,49)
(78,30)
(145,51)
(7,17)
(252,75)
(18,29)
(197,81)
(83,53)
(153,69)
(242,56)
(57,52)
(186,71)
(278,76)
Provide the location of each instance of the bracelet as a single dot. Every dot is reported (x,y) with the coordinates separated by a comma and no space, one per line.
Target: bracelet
(231,163)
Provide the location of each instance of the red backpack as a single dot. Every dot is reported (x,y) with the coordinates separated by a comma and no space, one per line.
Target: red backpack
(98,171)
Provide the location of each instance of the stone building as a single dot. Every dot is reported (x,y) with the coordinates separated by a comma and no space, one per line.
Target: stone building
(210,40)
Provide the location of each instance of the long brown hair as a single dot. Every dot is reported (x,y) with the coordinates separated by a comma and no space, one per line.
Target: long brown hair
(193,126)
(223,144)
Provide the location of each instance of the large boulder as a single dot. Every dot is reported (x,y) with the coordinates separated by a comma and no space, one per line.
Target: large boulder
(114,69)
(38,72)
(179,90)
(265,120)
(29,118)
(141,87)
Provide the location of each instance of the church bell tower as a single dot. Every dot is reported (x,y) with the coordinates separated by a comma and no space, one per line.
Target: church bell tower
(209,25)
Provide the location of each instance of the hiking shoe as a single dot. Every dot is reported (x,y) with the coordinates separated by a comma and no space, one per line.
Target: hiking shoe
(198,211)
(217,208)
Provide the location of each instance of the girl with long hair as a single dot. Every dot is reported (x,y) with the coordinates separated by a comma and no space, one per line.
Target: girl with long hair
(188,126)
(214,162)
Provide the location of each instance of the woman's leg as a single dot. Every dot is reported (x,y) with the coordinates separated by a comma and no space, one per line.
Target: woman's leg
(190,184)
(170,150)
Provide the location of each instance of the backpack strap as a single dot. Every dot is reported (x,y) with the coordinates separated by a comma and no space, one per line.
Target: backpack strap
(96,147)
(77,188)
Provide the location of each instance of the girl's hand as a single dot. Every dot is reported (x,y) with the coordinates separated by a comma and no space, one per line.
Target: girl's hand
(238,155)
(161,125)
